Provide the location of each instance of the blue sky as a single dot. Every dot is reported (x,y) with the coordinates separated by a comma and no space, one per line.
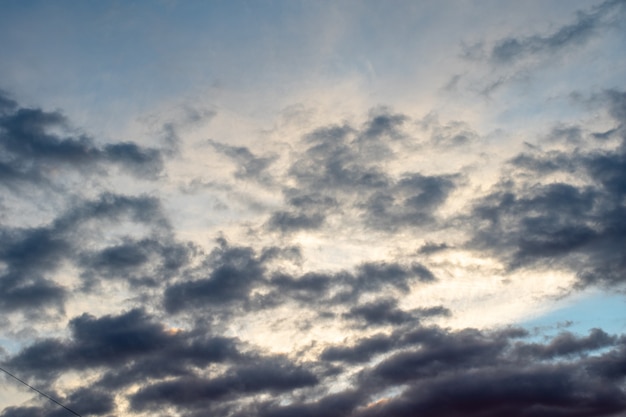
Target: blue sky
(281,208)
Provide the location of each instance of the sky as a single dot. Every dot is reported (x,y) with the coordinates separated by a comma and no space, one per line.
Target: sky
(298,208)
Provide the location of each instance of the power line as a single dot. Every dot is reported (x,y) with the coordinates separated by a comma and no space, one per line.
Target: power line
(41,393)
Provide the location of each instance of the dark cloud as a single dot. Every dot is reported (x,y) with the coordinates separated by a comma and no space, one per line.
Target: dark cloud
(567,343)
(95,342)
(309,287)
(556,222)
(617,104)
(378,312)
(32,146)
(115,337)
(32,256)
(422,370)
(271,375)
(30,295)
(606,134)
(141,350)
(385,312)
(345,287)
(341,169)
(6,103)
(308,211)
(235,277)
(375,276)
(439,352)
(577,225)
(334,405)
(541,391)
(436,372)
(287,221)
(190,350)
(393,362)
(384,123)
(412,201)
(365,348)
(27,255)
(332,163)
(572,134)
(90,402)
(141,162)
(182,330)
(610,365)
(230,274)
(147,261)
(583,28)
(608,170)
(431,247)
(360,352)
(453,134)
(547,162)
(129,348)
(249,166)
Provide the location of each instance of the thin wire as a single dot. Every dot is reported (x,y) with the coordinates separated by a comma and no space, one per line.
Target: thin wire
(36,390)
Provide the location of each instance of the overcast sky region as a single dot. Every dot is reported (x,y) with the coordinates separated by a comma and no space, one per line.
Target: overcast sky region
(313,208)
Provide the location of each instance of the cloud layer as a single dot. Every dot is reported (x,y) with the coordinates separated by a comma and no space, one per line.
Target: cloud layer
(378,258)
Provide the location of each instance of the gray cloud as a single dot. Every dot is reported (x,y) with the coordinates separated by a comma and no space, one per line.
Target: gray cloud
(95,342)
(567,343)
(384,311)
(249,166)
(136,348)
(431,247)
(334,405)
(141,262)
(583,28)
(89,401)
(227,276)
(378,312)
(342,166)
(28,254)
(30,147)
(32,255)
(360,352)
(580,227)
(435,372)
(439,372)
(412,201)
(288,221)
(308,211)
(347,287)
(544,390)
(231,273)
(273,375)
(407,368)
